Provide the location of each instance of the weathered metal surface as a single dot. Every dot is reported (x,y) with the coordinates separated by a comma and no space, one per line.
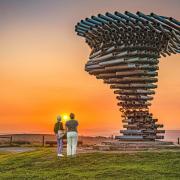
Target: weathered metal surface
(125,51)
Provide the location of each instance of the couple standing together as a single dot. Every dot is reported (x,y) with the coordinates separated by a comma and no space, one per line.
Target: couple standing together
(70,131)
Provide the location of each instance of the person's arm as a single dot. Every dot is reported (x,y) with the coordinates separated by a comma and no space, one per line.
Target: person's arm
(66,128)
(55,128)
(77,124)
(62,127)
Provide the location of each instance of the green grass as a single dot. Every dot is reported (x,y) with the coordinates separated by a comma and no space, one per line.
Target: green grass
(43,164)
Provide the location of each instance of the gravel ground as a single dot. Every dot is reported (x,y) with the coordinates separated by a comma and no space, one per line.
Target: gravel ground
(16,149)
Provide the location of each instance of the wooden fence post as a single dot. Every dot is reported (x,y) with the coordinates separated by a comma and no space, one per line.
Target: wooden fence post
(43,140)
(10,140)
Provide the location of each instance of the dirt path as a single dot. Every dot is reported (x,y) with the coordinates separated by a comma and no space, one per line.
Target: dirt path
(16,149)
(80,150)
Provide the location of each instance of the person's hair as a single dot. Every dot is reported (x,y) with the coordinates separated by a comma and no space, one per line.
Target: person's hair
(72,115)
(58,118)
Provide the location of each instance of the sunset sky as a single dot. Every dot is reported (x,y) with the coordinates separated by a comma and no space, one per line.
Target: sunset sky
(42,67)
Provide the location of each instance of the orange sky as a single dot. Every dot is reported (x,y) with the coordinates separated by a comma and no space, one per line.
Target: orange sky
(42,68)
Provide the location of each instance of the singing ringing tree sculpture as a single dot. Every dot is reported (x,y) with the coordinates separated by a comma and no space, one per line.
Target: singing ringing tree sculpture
(125,51)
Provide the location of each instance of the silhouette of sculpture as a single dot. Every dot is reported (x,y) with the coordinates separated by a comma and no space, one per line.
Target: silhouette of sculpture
(125,51)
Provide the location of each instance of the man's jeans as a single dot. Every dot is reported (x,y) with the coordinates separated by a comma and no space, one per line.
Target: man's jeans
(72,138)
(59,145)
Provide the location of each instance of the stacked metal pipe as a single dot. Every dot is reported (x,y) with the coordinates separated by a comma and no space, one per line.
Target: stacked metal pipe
(125,51)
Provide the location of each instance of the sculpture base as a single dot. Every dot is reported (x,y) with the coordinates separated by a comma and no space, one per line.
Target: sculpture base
(140,135)
(138,138)
(117,145)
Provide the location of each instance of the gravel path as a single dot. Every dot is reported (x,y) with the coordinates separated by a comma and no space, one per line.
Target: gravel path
(16,149)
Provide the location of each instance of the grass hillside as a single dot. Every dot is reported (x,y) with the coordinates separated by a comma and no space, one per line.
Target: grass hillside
(43,164)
